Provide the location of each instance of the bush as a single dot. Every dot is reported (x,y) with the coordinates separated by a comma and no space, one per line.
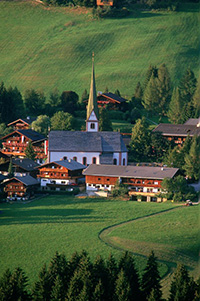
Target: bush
(116,115)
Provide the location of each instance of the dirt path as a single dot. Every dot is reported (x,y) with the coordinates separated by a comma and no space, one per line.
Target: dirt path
(163,253)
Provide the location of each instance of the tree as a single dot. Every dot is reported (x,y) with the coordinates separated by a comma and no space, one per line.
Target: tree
(34,102)
(135,115)
(192,160)
(138,92)
(83,100)
(10,169)
(183,287)
(122,287)
(175,112)
(127,264)
(140,141)
(42,288)
(151,279)
(117,93)
(187,85)
(163,89)
(112,272)
(69,101)
(152,70)
(41,124)
(58,292)
(62,121)
(98,294)
(99,275)
(106,90)
(59,268)
(104,121)
(29,151)
(151,97)
(195,100)
(13,286)
(159,146)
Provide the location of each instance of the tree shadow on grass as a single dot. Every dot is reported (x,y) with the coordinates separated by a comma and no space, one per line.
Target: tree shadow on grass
(52,216)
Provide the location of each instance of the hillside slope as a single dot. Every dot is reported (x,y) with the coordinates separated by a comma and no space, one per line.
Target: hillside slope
(44,48)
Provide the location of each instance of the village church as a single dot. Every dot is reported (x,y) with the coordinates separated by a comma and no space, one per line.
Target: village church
(91,146)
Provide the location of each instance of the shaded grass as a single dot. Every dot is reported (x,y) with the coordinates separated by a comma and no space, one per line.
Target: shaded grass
(47,48)
(31,233)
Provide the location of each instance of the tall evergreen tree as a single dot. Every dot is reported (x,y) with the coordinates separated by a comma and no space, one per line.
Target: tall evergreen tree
(183,287)
(192,160)
(152,70)
(42,287)
(34,102)
(187,85)
(151,97)
(58,291)
(163,89)
(6,286)
(175,112)
(75,287)
(112,272)
(151,279)
(127,264)
(117,93)
(122,287)
(59,268)
(18,282)
(104,120)
(140,141)
(29,151)
(98,294)
(138,91)
(195,100)
(99,273)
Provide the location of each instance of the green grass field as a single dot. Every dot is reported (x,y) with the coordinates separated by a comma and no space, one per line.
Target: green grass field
(44,48)
(31,233)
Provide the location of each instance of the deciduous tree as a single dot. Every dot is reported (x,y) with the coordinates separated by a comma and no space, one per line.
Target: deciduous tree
(29,151)
(62,121)
(41,124)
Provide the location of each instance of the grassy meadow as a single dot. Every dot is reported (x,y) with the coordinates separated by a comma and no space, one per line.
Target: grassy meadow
(31,233)
(46,48)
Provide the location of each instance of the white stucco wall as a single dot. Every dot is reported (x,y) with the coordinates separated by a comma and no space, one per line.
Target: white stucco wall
(56,156)
(45,181)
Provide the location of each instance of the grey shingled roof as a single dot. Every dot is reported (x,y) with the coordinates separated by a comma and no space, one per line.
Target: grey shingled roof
(26,164)
(86,141)
(106,158)
(143,172)
(192,121)
(27,180)
(177,129)
(69,164)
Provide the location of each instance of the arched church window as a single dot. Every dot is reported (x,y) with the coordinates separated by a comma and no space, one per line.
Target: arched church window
(75,158)
(84,161)
(94,160)
(115,161)
(124,161)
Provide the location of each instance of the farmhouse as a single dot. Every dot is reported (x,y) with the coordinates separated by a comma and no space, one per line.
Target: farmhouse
(92,146)
(179,132)
(16,142)
(144,182)
(20,187)
(114,101)
(58,175)
(21,124)
(21,167)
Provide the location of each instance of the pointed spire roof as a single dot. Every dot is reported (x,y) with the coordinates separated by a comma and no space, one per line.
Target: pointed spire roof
(92,102)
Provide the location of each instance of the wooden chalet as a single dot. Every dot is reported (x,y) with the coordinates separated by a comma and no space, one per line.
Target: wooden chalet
(144,182)
(105,2)
(60,175)
(15,143)
(18,188)
(21,167)
(21,124)
(114,101)
(179,132)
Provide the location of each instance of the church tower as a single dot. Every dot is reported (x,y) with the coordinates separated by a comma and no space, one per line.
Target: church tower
(92,121)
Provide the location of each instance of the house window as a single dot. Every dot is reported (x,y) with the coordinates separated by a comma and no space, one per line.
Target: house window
(84,161)
(115,161)
(124,161)
(62,182)
(75,158)
(94,160)
(92,126)
(99,179)
(156,183)
(108,179)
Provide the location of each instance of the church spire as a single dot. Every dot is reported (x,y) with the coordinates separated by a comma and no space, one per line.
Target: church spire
(92,122)
(92,102)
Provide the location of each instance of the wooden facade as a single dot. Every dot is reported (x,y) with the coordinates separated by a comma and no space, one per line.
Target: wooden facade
(15,144)
(54,171)
(101,180)
(105,2)
(19,124)
(15,188)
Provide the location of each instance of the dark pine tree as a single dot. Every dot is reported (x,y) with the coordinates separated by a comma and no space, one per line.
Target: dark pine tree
(127,264)
(183,287)
(112,270)
(42,288)
(98,294)
(104,121)
(6,289)
(99,273)
(122,288)
(151,279)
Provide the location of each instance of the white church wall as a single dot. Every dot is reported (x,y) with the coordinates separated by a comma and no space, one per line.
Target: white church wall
(56,156)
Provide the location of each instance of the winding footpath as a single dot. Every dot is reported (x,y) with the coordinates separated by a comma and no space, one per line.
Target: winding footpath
(143,249)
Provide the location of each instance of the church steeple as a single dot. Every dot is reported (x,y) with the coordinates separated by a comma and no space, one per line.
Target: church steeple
(92,122)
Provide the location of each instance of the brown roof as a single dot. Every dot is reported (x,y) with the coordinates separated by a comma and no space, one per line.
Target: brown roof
(112,96)
(143,172)
(184,130)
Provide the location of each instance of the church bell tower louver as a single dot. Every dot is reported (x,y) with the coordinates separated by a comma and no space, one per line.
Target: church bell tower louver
(92,121)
